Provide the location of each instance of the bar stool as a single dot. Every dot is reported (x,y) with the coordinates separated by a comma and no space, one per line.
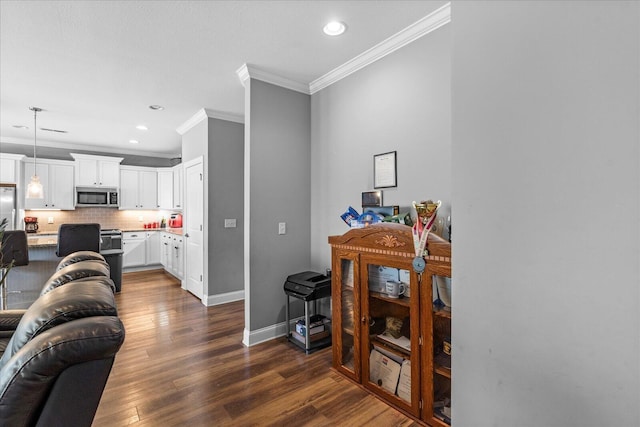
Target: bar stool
(14,253)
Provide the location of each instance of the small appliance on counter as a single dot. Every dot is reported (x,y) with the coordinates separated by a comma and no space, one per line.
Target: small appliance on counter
(30,224)
(175,221)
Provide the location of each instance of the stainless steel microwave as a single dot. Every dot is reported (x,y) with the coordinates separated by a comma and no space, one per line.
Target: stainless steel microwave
(97,197)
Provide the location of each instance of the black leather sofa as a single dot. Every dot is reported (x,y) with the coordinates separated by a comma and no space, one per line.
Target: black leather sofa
(56,360)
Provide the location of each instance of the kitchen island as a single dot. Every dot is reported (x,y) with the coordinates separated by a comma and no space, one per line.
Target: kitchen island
(24,283)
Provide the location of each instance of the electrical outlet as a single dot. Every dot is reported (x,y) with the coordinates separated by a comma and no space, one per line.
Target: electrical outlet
(50,220)
(140,218)
(230,223)
(282,228)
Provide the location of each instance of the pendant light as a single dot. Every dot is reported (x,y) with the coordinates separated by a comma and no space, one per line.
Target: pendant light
(34,189)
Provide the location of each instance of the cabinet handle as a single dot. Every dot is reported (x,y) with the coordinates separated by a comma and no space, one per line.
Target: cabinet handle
(364,319)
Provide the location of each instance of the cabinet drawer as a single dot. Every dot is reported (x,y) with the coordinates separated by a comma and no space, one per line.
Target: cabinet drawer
(133,235)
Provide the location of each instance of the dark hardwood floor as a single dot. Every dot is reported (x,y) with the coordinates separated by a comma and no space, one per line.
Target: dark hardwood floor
(184,364)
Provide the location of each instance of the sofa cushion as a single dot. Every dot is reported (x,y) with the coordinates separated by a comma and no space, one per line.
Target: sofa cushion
(79,256)
(72,272)
(74,300)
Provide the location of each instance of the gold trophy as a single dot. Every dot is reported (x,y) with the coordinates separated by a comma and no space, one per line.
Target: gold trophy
(426,210)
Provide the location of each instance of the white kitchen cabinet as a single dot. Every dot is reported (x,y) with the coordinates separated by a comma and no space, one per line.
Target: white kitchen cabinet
(97,170)
(165,245)
(153,250)
(10,167)
(178,182)
(56,177)
(135,250)
(139,188)
(172,254)
(179,256)
(165,188)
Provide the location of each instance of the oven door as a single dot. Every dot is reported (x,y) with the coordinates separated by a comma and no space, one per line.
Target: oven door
(110,241)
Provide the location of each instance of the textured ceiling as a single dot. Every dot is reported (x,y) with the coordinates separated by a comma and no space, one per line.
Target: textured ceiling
(96,66)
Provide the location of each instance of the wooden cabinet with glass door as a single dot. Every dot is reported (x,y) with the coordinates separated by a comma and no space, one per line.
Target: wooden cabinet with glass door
(381,340)
(437,408)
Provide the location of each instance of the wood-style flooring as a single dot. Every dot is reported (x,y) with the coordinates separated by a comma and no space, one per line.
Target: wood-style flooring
(184,364)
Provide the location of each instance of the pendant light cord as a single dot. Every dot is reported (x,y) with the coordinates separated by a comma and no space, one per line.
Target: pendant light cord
(35,139)
(35,136)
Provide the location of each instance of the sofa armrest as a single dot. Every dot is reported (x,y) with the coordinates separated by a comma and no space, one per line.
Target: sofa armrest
(9,320)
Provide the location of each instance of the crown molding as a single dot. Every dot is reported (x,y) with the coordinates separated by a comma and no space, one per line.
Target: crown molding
(205,113)
(424,26)
(84,147)
(247,71)
(10,156)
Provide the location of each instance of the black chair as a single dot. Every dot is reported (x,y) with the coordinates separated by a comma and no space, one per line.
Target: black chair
(78,237)
(13,253)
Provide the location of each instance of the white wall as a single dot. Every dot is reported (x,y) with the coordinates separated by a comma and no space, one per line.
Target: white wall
(400,103)
(546,173)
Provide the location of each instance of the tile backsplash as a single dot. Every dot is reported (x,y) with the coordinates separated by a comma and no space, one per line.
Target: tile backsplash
(106,217)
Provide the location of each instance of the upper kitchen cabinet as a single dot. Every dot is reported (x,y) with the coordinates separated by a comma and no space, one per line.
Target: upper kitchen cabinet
(97,170)
(56,177)
(178,180)
(165,188)
(10,168)
(139,188)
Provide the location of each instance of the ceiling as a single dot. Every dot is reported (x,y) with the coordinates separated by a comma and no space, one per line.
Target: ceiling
(96,66)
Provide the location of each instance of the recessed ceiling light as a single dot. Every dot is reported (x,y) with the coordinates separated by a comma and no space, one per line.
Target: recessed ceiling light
(334,28)
(156,107)
(142,127)
(133,141)
(20,127)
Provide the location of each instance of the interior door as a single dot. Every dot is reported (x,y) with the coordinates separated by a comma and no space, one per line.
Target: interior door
(194,227)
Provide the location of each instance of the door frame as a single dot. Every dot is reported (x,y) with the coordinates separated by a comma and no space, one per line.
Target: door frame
(205,281)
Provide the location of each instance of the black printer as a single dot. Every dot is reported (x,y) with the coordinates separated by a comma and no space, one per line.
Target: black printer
(308,286)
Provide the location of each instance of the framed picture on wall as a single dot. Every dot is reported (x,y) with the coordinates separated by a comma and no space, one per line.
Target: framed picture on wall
(384,170)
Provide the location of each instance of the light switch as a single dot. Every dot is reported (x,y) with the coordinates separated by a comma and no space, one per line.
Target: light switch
(230,223)
(282,228)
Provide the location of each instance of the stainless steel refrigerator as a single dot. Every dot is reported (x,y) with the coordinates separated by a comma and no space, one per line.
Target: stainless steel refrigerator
(8,205)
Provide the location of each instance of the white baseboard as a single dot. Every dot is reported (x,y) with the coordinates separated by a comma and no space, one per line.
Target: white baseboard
(224,298)
(142,268)
(250,338)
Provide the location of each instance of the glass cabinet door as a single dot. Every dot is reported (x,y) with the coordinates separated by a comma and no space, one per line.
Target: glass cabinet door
(437,299)
(346,314)
(390,311)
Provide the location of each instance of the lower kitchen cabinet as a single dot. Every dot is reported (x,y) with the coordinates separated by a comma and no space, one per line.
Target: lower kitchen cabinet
(141,248)
(172,253)
(135,251)
(153,247)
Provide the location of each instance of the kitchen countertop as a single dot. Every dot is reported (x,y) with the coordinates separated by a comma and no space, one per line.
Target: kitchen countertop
(177,231)
(43,240)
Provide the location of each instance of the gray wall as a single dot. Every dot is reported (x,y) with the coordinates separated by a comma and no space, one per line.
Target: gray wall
(400,103)
(221,144)
(546,192)
(278,153)
(225,174)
